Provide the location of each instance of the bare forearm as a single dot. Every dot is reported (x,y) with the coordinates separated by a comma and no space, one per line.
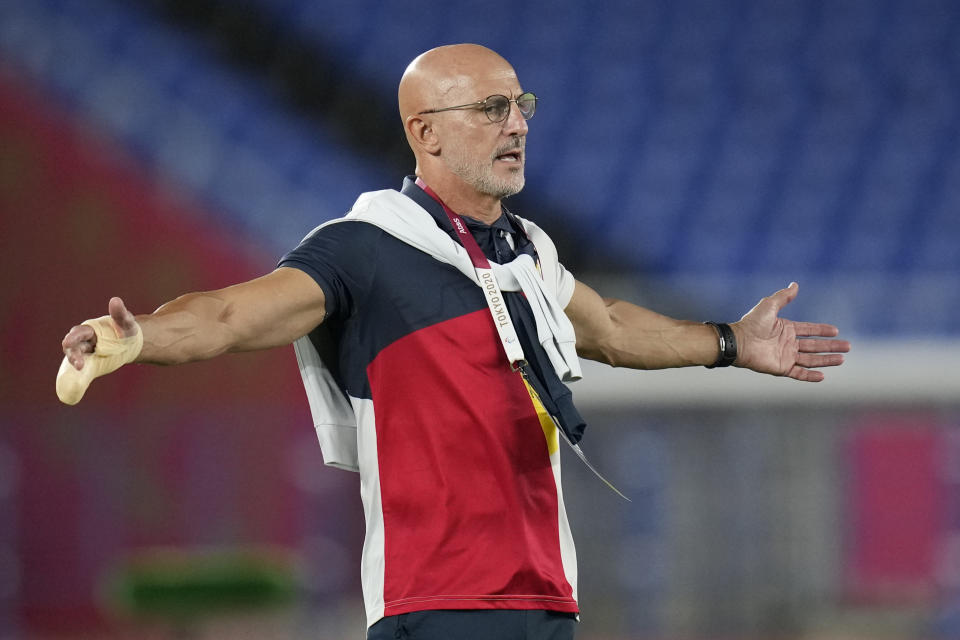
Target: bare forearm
(642,339)
(189,328)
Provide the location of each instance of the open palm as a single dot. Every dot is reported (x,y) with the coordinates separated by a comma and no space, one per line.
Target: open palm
(781,347)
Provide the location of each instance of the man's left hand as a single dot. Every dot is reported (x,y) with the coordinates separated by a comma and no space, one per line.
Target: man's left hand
(781,347)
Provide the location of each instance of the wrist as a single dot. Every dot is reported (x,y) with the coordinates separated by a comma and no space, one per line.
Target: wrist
(741,342)
(727,343)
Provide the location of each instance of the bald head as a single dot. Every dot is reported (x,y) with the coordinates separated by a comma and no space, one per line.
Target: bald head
(468,159)
(447,74)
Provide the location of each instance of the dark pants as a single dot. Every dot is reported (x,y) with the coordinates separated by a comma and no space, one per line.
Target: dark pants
(496,624)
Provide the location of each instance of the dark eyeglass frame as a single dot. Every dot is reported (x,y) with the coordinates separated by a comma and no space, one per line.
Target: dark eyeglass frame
(489,109)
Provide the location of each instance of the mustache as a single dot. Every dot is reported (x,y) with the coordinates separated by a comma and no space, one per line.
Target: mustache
(515,144)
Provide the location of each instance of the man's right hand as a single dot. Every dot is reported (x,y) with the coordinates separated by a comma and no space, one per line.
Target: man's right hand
(81,340)
(95,348)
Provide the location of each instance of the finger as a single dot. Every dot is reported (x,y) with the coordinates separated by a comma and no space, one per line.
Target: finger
(123,320)
(77,355)
(815,329)
(784,297)
(816,361)
(805,375)
(78,342)
(78,334)
(814,345)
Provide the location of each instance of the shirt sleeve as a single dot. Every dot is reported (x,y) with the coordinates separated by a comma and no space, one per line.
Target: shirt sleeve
(340,258)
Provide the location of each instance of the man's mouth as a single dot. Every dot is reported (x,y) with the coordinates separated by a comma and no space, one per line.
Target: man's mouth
(514,155)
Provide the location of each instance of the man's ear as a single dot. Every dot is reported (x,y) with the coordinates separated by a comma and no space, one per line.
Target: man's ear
(422,134)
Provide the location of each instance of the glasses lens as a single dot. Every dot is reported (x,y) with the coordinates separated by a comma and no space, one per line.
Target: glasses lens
(496,108)
(527,103)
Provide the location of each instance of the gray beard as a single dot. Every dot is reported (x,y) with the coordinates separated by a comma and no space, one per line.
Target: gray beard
(483,179)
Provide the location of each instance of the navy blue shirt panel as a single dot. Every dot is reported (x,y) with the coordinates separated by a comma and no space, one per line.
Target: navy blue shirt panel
(378,289)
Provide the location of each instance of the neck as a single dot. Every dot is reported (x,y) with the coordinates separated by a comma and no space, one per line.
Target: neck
(465,200)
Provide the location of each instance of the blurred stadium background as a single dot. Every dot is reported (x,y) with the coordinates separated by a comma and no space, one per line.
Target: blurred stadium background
(690,155)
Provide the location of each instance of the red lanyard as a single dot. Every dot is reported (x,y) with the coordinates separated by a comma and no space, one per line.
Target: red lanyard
(459,226)
(488,282)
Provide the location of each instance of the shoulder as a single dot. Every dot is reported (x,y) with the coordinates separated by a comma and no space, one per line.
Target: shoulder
(335,249)
(360,212)
(342,230)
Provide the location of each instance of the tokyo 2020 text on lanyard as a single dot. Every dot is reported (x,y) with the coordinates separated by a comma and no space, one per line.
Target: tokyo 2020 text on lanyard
(501,317)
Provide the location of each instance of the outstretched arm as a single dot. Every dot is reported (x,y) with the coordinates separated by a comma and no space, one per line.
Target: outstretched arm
(626,335)
(270,311)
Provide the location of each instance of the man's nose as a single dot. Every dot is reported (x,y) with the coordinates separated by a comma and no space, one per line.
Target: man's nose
(515,124)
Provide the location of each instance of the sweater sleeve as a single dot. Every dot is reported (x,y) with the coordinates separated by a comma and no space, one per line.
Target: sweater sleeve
(555,275)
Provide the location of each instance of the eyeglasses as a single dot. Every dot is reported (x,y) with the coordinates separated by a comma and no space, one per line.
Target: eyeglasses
(497,107)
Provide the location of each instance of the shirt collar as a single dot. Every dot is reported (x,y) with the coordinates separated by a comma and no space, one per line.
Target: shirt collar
(422,198)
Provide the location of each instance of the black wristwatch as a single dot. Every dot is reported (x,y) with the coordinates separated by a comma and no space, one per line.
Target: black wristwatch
(728,345)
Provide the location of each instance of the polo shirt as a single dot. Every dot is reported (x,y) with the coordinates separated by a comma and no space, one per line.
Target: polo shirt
(459,473)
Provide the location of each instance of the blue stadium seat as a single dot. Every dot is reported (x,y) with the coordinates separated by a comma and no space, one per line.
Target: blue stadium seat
(818,136)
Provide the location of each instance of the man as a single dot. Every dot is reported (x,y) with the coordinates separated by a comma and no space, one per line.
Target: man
(434,311)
